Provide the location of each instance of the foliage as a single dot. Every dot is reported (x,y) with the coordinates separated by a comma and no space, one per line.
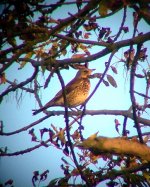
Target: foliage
(33,37)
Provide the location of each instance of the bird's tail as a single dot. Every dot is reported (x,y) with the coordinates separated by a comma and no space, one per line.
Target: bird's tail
(46,106)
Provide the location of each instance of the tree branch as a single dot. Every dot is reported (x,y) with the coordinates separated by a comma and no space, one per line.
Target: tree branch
(20,85)
(133,100)
(124,171)
(110,47)
(124,113)
(119,146)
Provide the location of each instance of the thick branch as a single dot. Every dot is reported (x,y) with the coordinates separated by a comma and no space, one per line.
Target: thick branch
(110,47)
(121,146)
(64,22)
(124,171)
(124,113)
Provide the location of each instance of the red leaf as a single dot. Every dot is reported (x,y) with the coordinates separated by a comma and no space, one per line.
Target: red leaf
(117,125)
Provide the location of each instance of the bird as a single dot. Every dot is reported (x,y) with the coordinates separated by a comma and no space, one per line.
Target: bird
(77,91)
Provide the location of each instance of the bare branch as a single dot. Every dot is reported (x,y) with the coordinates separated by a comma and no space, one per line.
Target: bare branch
(20,85)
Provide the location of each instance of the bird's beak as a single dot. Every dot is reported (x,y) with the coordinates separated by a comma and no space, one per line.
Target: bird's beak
(92,70)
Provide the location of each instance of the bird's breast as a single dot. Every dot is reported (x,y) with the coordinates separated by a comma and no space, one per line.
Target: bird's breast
(79,95)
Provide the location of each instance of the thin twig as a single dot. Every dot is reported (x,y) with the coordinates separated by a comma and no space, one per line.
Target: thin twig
(20,85)
(122,24)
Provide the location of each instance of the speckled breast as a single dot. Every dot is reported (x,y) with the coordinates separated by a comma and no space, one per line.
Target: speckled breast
(79,95)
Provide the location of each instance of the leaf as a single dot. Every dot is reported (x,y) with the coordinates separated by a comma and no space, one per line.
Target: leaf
(146,175)
(64,52)
(106,83)
(75,172)
(76,135)
(136,18)
(31,132)
(2,78)
(112,81)
(78,55)
(42,131)
(43,68)
(66,150)
(53,182)
(142,55)
(23,63)
(87,35)
(114,69)
(61,136)
(117,124)
(87,27)
(126,54)
(64,161)
(140,75)
(84,48)
(112,183)
(12,41)
(55,44)
(51,133)
(146,139)
(132,54)
(43,176)
(112,5)
(63,182)
(9,182)
(52,20)
(125,29)
(93,157)
(54,128)
(103,8)
(35,177)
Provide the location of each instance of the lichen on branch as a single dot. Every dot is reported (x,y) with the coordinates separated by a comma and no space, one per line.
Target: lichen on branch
(118,146)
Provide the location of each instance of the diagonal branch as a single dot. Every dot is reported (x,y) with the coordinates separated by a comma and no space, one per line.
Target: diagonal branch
(109,48)
(20,85)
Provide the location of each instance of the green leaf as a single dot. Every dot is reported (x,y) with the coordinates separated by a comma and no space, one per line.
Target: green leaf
(103,9)
(53,182)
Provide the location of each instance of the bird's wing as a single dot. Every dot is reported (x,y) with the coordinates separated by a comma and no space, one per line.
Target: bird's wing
(72,85)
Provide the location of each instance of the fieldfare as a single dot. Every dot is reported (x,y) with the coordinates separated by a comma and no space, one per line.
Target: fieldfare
(77,91)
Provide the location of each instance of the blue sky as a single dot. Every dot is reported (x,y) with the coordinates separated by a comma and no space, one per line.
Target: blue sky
(16,116)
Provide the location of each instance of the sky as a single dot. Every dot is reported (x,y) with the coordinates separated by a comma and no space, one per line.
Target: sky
(17,115)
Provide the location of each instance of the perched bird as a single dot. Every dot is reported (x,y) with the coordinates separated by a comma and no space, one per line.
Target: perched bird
(77,91)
